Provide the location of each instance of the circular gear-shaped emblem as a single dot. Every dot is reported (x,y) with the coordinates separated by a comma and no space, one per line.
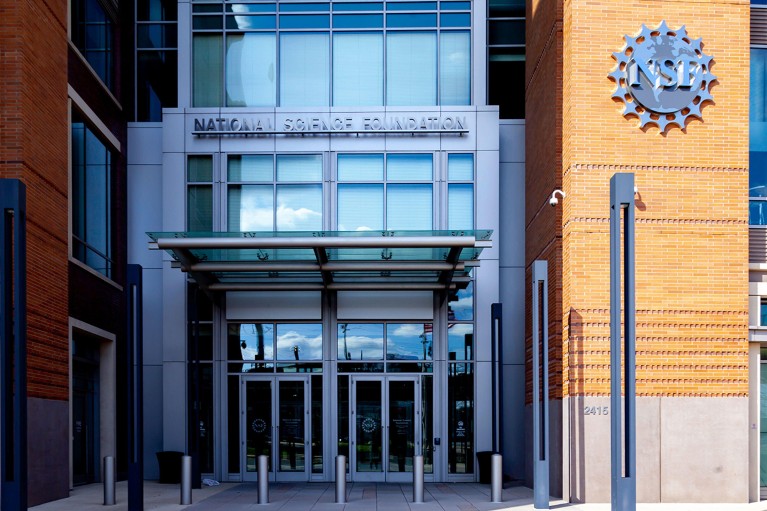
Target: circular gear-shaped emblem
(258,425)
(662,77)
(369,425)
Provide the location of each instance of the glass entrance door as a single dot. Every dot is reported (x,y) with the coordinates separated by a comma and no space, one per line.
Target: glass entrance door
(275,424)
(386,428)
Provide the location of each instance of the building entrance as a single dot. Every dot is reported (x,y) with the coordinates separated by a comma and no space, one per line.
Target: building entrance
(386,427)
(275,423)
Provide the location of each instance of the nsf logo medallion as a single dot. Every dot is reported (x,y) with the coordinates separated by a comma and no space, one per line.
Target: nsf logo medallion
(663,77)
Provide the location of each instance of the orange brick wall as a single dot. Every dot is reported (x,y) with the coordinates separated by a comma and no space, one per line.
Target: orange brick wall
(34,148)
(691,211)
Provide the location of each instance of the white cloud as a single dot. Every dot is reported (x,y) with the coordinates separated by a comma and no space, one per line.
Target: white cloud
(298,219)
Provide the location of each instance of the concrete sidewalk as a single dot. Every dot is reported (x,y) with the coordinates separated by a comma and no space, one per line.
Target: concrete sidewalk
(361,497)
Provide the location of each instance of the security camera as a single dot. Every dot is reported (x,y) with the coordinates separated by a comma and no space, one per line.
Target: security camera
(553,201)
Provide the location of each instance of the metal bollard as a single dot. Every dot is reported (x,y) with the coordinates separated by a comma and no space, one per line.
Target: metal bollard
(340,479)
(418,479)
(263,479)
(496,478)
(109,481)
(186,480)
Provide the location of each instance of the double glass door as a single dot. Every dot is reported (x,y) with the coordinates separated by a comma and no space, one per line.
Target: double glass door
(386,428)
(275,423)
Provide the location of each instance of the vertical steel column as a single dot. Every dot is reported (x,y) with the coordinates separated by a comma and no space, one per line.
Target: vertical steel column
(135,360)
(194,384)
(622,418)
(13,346)
(541,396)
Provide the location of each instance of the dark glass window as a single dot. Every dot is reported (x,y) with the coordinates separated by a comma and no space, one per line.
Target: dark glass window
(91,198)
(757,177)
(506,68)
(156,83)
(156,10)
(506,57)
(156,58)
(93,34)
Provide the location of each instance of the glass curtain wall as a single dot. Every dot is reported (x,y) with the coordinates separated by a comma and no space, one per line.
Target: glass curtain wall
(91,198)
(342,54)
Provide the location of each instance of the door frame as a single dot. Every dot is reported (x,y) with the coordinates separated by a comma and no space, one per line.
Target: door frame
(274,474)
(384,475)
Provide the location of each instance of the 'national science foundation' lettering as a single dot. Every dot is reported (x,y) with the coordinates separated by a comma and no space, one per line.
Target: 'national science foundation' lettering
(322,125)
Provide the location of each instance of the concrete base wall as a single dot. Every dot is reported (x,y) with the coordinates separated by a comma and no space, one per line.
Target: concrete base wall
(47,450)
(688,449)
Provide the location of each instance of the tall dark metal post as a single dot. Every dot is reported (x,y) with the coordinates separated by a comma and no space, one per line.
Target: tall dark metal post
(13,346)
(622,418)
(135,361)
(496,334)
(540,322)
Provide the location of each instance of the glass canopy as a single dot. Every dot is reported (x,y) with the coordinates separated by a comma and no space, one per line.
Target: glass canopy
(334,260)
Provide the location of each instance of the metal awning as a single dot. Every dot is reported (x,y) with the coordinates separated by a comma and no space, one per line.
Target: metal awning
(332,260)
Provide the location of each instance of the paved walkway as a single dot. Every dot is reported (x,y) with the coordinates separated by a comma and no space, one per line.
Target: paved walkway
(361,497)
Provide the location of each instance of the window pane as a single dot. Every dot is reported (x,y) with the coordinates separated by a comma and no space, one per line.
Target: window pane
(156,83)
(304,21)
(199,169)
(250,167)
(360,207)
(460,206)
(358,21)
(357,69)
(304,69)
(460,167)
(207,22)
(455,6)
(506,87)
(317,424)
(455,68)
(299,207)
(408,207)
(411,68)
(207,70)
(358,6)
(507,31)
(304,7)
(200,208)
(239,22)
(156,35)
(360,341)
(92,35)
(411,6)
(251,74)
(411,20)
(460,305)
(409,167)
(763,313)
(460,405)
(360,167)
(91,198)
(299,167)
(156,10)
(299,342)
(460,341)
(251,341)
(455,20)
(409,341)
(250,208)
(251,8)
